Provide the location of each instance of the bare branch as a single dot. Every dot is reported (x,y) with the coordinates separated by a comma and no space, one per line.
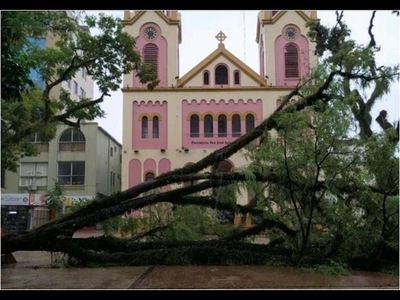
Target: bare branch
(372,42)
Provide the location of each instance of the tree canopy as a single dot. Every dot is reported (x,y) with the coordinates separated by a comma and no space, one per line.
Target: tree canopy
(324,190)
(31,109)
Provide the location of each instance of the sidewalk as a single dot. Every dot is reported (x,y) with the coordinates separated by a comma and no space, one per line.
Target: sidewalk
(33,271)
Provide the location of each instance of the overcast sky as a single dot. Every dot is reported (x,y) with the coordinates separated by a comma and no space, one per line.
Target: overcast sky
(199,29)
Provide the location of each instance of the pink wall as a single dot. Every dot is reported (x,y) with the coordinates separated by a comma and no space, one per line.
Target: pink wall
(162,45)
(215,108)
(304,62)
(136,175)
(149,109)
(164,165)
(135,172)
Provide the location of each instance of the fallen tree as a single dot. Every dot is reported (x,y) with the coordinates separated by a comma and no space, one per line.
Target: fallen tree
(321,195)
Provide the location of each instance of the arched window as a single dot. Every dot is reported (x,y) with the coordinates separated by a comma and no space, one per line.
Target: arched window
(206,78)
(222,126)
(149,176)
(291,61)
(150,54)
(208,126)
(236,126)
(236,77)
(145,127)
(249,122)
(194,126)
(156,126)
(72,139)
(221,75)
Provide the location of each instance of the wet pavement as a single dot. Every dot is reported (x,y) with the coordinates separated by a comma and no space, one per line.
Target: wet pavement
(43,270)
(37,270)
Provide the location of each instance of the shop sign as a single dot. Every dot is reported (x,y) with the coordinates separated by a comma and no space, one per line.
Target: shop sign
(14,199)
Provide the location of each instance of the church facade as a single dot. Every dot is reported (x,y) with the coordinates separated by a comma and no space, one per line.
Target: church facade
(186,118)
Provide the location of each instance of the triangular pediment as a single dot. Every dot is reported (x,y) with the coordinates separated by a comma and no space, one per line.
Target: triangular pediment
(221,54)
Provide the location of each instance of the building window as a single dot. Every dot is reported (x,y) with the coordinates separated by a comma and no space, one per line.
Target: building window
(221,75)
(156,127)
(75,87)
(249,122)
(71,173)
(222,126)
(150,54)
(40,145)
(33,174)
(206,78)
(149,176)
(111,151)
(83,73)
(112,179)
(194,126)
(72,139)
(291,61)
(82,93)
(145,127)
(208,126)
(236,77)
(35,138)
(236,126)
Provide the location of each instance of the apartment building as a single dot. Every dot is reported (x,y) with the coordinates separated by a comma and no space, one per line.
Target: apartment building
(85,161)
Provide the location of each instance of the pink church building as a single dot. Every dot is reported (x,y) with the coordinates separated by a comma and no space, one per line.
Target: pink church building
(221,98)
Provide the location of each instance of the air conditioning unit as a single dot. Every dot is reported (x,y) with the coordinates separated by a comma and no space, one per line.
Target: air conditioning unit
(32,187)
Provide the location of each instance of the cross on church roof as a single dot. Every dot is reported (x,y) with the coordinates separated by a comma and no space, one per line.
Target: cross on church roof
(220,37)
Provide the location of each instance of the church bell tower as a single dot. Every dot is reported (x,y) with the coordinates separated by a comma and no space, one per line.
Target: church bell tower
(157,35)
(285,52)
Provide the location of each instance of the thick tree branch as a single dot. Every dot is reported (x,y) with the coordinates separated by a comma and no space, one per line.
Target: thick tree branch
(63,117)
